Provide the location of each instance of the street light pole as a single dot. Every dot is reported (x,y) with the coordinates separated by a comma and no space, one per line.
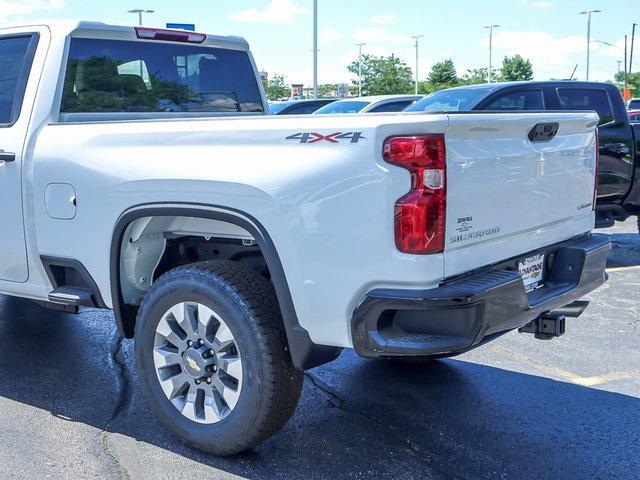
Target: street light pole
(490,28)
(315,49)
(626,70)
(633,40)
(140,11)
(360,45)
(417,39)
(588,14)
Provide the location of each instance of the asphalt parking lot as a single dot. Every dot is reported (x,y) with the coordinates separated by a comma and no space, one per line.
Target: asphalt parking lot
(70,405)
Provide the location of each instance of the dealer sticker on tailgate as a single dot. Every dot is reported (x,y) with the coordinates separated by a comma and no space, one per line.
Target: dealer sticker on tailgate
(531,270)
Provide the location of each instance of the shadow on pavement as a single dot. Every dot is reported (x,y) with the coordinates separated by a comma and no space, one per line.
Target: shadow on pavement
(452,419)
(626,250)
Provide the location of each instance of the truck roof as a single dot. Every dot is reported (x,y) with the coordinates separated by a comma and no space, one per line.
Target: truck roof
(533,83)
(64,28)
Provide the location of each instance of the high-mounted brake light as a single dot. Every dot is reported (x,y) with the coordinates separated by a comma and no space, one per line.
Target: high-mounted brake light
(146,33)
(420,216)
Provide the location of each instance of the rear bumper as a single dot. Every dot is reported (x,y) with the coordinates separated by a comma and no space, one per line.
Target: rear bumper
(466,312)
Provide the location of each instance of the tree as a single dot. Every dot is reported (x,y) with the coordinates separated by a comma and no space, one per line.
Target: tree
(476,75)
(633,82)
(383,75)
(424,88)
(443,75)
(516,68)
(326,90)
(277,88)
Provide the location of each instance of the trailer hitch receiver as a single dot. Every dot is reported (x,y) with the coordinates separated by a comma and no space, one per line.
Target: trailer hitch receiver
(553,324)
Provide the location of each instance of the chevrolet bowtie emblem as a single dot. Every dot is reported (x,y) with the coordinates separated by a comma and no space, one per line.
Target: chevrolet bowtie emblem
(192,363)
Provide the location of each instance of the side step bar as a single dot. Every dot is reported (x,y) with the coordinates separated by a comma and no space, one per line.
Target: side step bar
(57,307)
(72,296)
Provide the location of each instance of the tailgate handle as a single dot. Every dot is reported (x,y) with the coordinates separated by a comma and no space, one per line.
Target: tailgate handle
(543,132)
(7,156)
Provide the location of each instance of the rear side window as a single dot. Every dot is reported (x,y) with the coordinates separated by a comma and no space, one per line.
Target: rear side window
(109,76)
(304,109)
(582,99)
(16,55)
(346,106)
(392,107)
(517,101)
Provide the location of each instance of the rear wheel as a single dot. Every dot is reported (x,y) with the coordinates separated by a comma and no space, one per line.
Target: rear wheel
(212,356)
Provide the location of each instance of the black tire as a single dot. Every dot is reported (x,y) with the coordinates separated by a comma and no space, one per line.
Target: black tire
(271,386)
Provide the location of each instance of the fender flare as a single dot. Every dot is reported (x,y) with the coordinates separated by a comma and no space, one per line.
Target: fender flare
(304,353)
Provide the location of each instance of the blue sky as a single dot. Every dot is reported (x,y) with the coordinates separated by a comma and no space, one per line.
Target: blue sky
(549,32)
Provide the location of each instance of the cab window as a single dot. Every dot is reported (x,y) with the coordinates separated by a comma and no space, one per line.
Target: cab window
(16,54)
(115,76)
(306,108)
(392,107)
(517,101)
(583,99)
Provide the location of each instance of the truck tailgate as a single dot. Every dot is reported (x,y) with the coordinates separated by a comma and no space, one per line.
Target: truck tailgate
(508,195)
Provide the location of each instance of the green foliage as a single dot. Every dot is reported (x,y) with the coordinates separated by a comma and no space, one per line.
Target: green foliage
(389,75)
(443,75)
(326,90)
(633,82)
(425,88)
(383,75)
(516,68)
(476,75)
(277,88)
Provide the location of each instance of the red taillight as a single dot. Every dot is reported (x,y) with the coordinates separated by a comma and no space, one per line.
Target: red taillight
(420,215)
(146,33)
(595,183)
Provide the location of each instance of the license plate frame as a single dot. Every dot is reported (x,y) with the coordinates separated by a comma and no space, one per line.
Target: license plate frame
(531,269)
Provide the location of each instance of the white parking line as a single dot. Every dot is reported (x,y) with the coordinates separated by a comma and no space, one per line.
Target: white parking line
(610,377)
(624,269)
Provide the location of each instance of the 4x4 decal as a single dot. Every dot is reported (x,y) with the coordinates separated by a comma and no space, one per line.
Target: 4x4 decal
(312,137)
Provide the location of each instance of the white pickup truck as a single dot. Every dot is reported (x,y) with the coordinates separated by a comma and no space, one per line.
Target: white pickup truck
(139,173)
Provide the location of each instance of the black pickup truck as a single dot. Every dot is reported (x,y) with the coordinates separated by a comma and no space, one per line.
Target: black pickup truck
(619,178)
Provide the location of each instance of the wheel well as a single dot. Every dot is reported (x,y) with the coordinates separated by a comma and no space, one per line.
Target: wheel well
(151,239)
(184,250)
(151,246)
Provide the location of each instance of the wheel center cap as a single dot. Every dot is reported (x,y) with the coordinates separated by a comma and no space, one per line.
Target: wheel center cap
(194,364)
